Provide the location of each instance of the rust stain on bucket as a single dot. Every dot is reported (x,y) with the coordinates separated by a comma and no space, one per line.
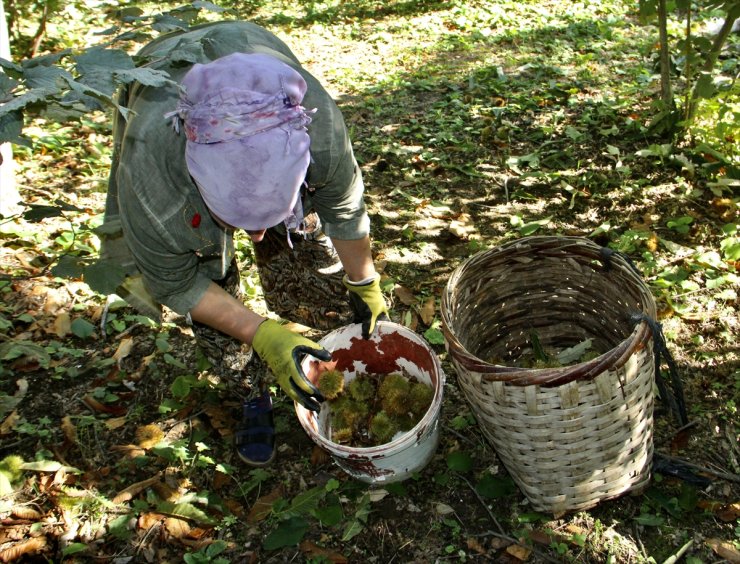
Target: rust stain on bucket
(382,357)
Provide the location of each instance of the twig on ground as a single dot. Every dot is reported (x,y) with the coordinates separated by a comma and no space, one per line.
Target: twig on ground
(459,435)
(636,530)
(672,559)
(502,534)
(680,430)
(734,450)
(717,474)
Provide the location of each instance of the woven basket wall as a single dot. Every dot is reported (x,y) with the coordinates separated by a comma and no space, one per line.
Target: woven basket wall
(570,436)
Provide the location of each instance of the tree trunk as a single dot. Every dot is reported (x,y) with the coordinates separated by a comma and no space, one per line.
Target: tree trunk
(666,92)
(719,41)
(9,196)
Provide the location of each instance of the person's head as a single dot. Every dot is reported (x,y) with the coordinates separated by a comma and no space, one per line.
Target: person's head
(247,145)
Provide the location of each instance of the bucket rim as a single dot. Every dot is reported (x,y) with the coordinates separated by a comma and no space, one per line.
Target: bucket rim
(304,414)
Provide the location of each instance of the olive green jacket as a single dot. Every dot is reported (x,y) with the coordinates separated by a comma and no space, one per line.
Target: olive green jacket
(169,240)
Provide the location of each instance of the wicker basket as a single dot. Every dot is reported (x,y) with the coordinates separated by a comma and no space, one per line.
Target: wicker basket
(570,436)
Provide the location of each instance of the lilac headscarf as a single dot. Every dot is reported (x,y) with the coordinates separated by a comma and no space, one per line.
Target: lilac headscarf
(247,145)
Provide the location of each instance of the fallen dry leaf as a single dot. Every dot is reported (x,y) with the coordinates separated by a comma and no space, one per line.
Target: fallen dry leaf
(411,320)
(69,430)
(115,422)
(405,295)
(25,512)
(124,349)
(221,480)
(54,299)
(427,311)
(728,513)
(574,529)
(95,405)
(294,327)
(463,227)
(131,451)
(220,419)
(314,552)
(178,528)
(166,492)
(377,494)
(443,509)
(263,506)
(127,493)
(540,537)
(319,456)
(519,552)
(23,548)
(725,550)
(148,520)
(62,325)
(7,426)
(474,544)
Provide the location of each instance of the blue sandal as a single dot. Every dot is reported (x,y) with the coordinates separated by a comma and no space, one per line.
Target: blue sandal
(255,437)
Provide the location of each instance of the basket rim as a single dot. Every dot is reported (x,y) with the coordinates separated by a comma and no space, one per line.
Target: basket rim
(588,370)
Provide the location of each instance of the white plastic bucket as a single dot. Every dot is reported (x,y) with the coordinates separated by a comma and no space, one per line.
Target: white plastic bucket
(391,348)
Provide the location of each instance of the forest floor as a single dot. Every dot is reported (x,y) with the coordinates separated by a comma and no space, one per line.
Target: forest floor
(472,131)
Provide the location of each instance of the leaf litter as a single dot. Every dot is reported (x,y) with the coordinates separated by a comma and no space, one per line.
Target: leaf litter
(75,420)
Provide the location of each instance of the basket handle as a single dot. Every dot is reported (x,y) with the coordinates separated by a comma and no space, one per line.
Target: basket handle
(672,397)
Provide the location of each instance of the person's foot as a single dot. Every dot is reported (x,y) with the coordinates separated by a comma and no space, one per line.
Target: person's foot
(255,435)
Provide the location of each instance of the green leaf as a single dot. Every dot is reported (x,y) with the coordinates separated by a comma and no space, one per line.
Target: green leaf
(10,67)
(10,350)
(6,488)
(352,530)
(288,533)
(731,248)
(104,276)
(533,226)
(145,76)
(187,510)
(434,336)
(68,266)
(210,6)
(180,388)
(97,66)
(459,461)
(49,466)
(649,520)
(688,498)
(494,487)
(47,80)
(648,9)
(169,359)
(704,87)
(533,517)
(330,515)
(308,501)
(396,488)
(118,527)
(74,548)
(11,127)
(82,328)
(38,212)
(710,259)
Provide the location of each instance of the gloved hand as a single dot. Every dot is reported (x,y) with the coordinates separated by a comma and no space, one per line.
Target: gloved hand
(367,302)
(283,351)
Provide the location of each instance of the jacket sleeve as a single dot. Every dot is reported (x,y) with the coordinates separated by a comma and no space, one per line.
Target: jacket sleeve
(334,178)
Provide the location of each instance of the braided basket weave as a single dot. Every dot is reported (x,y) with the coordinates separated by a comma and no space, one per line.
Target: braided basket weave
(570,436)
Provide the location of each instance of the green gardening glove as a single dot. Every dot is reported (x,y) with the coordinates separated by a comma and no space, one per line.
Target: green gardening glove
(367,303)
(283,351)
